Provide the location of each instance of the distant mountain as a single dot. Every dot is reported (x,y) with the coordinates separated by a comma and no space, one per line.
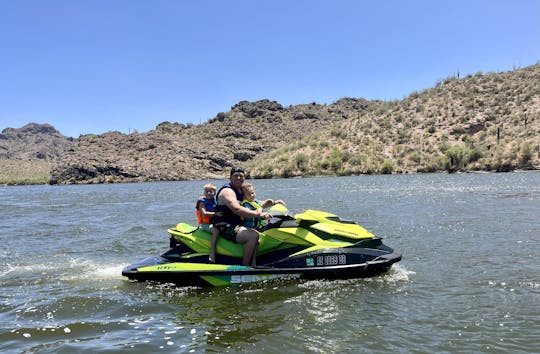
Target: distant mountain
(28,154)
(488,122)
(34,142)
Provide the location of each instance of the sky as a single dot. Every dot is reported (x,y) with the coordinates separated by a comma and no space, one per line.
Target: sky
(92,66)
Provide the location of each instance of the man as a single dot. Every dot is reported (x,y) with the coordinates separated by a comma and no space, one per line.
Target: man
(230,223)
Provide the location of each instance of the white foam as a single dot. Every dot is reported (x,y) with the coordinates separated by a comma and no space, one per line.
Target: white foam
(9,269)
(109,271)
(37,268)
(398,273)
(80,269)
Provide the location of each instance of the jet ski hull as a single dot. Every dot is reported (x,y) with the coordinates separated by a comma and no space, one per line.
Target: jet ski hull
(343,263)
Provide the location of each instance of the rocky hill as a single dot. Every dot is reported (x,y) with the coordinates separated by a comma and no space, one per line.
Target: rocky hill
(479,122)
(34,142)
(176,151)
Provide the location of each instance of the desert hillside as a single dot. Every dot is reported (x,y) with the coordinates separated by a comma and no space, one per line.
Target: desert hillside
(484,122)
(487,122)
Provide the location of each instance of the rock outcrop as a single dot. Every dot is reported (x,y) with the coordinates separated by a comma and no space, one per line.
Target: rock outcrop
(175,151)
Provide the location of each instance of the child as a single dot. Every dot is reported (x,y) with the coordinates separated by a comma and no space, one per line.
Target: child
(248,191)
(205,207)
(205,212)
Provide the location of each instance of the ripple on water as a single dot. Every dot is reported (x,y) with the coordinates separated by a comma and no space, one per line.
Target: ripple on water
(469,280)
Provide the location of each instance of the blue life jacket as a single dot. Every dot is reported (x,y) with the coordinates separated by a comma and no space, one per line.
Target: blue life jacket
(209,205)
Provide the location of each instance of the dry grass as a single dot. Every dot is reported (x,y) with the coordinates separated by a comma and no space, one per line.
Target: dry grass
(17,172)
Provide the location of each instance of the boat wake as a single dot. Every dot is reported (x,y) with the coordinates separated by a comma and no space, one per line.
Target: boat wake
(398,274)
(68,270)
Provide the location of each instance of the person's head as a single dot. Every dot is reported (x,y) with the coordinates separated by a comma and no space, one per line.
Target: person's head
(209,191)
(248,191)
(237,176)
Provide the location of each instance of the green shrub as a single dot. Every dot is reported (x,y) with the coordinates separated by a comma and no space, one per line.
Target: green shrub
(301,160)
(456,158)
(416,157)
(355,160)
(336,164)
(338,132)
(267,171)
(387,167)
(325,164)
(288,171)
(475,154)
(525,153)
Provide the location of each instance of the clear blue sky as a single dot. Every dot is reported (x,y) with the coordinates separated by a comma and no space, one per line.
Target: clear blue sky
(92,66)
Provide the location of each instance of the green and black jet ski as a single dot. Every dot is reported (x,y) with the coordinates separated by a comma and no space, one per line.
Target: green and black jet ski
(310,245)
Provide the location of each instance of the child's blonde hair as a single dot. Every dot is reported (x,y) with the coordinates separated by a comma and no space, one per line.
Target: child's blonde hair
(210,186)
(246,185)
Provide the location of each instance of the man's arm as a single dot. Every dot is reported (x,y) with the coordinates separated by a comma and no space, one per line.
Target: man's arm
(229,199)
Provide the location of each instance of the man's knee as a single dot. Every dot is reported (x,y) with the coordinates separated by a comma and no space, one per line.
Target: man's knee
(248,235)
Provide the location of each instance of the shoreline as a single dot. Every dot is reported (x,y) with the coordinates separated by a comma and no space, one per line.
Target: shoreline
(24,182)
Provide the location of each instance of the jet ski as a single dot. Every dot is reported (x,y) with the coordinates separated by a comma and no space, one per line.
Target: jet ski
(310,245)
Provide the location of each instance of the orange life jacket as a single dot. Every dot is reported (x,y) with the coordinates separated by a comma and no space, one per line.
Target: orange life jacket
(209,205)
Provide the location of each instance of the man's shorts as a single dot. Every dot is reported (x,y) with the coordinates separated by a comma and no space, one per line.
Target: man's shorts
(228,231)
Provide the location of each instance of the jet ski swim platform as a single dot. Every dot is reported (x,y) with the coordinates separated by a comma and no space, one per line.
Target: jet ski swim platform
(310,245)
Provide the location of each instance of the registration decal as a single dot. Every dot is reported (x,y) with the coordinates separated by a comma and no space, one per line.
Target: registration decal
(331,260)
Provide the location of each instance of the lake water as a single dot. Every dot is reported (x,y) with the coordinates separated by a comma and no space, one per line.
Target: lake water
(469,280)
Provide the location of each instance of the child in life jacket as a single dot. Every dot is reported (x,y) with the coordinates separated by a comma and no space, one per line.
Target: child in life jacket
(250,202)
(205,208)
